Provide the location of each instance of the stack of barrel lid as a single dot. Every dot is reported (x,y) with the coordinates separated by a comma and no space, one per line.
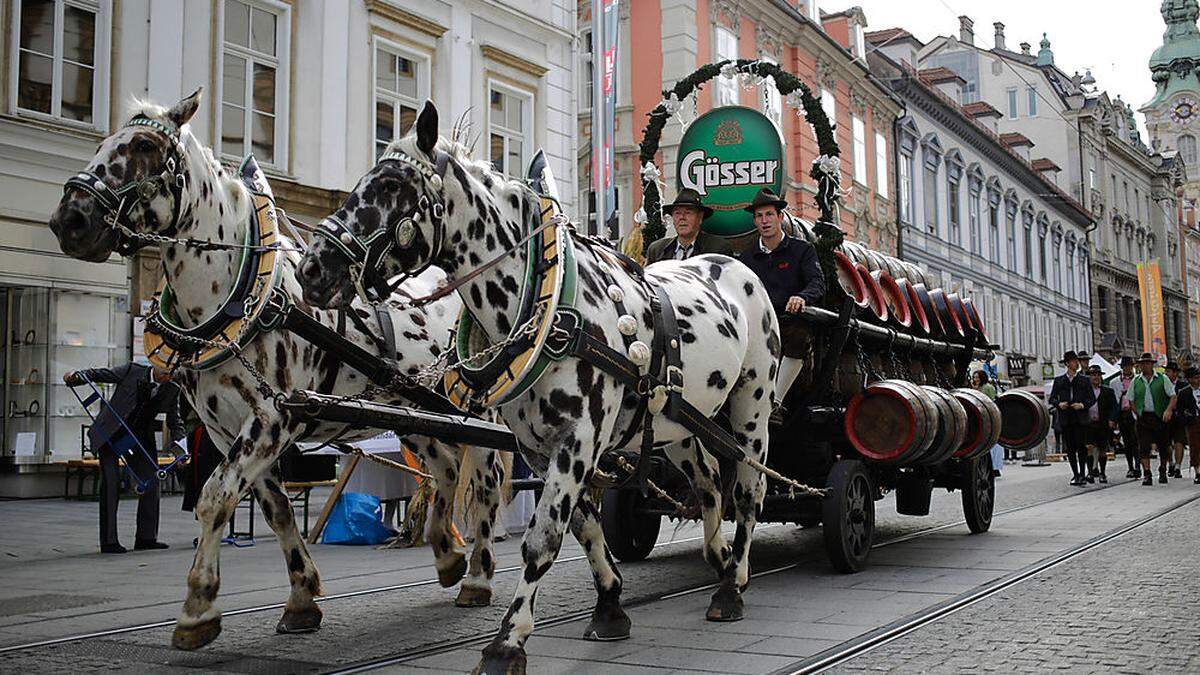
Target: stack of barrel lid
(899,422)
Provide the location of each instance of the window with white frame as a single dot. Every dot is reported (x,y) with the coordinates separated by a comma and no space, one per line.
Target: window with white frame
(60,59)
(401,84)
(1031,93)
(727,49)
(881,170)
(860,42)
(906,188)
(254,80)
(510,122)
(589,71)
(860,150)
(1012,104)
(772,102)
(829,105)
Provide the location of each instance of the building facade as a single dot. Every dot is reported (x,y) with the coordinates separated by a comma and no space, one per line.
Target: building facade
(1087,145)
(978,216)
(662,42)
(1171,122)
(313,89)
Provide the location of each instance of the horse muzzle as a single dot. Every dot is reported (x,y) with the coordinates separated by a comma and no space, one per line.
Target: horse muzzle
(81,233)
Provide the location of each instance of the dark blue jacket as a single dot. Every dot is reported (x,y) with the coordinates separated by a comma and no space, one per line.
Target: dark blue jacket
(791,269)
(1076,390)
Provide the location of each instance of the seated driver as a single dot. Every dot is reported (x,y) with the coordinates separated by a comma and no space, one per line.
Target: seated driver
(790,272)
(688,212)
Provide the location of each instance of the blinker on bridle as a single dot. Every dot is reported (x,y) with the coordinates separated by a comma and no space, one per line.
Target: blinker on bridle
(115,204)
(366,255)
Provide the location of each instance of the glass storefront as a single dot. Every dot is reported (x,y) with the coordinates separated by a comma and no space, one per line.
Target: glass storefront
(49,332)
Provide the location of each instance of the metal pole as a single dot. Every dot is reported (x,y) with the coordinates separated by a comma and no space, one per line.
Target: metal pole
(598,135)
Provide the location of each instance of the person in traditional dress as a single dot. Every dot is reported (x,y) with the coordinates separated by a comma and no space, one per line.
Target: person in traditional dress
(1127,421)
(1175,429)
(1187,407)
(1102,422)
(1153,399)
(687,213)
(1071,394)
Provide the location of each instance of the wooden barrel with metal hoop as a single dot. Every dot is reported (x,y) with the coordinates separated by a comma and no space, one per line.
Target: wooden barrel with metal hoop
(954,300)
(891,421)
(920,323)
(878,303)
(914,274)
(855,251)
(951,429)
(1024,419)
(849,280)
(936,329)
(983,422)
(977,321)
(896,298)
(951,325)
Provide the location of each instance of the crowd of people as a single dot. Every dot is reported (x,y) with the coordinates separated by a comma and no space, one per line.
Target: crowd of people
(1140,412)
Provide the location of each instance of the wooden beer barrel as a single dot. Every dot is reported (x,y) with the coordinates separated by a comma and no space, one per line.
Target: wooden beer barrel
(891,421)
(951,326)
(877,303)
(896,298)
(920,322)
(977,321)
(1024,419)
(936,329)
(855,251)
(983,423)
(850,281)
(951,428)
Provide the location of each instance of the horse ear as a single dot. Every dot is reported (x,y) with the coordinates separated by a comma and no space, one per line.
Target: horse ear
(427,128)
(181,112)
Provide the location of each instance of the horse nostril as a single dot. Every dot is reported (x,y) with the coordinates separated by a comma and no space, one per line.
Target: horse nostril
(310,271)
(69,220)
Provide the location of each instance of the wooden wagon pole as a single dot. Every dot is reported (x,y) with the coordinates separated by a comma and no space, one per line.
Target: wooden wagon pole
(315,533)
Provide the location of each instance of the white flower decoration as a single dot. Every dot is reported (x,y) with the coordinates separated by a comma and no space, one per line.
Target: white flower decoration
(650,172)
(639,216)
(729,69)
(830,166)
(672,104)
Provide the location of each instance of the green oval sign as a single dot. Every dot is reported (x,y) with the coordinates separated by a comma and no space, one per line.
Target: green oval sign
(727,155)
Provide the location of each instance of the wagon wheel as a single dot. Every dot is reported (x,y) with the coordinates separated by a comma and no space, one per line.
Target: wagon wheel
(848,512)
(979,494)
(629,532)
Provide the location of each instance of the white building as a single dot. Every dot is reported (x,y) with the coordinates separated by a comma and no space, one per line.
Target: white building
(312,88)
(977,215)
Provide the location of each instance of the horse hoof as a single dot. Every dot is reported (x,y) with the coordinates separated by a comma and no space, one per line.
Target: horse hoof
(305,620)
(608,624)
(726,605)
(473,597)
(188,638)
(453,574)
(501,661)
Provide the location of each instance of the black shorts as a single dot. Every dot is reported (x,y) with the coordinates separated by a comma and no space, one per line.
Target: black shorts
(1099,435)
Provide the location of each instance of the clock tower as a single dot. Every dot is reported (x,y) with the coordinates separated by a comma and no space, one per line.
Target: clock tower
(1173,115)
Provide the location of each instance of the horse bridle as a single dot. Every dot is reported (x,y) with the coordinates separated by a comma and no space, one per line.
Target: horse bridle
(366,255)
(115,204)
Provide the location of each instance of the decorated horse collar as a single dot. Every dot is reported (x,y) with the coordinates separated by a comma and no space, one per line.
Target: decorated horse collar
(547,299)
(236,322)
(366,255)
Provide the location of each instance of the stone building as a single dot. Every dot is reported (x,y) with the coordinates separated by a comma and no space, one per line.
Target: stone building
(1171,121)
(982,218)
(661,42)
(313,89)
(1086,144)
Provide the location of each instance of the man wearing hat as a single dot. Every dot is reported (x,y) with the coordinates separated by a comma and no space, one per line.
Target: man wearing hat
(1153,399)
(687,212)
(1102,422)
(1187,407)
(1175,429)
(1127,422)
(790,272)
(1071,395)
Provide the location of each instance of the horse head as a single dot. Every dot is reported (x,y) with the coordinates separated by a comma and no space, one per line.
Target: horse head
(134,186)
(391,223)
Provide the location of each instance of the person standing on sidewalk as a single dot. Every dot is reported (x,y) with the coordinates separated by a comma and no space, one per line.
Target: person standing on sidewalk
(1102,421)
(1175,427)
(1153,399)
(1072,396)
(1127,422)
(1187,406)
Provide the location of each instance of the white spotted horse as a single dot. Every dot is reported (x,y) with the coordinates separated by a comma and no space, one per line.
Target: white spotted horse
(153,181)
(529,283)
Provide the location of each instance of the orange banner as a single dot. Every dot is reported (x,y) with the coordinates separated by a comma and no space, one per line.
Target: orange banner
(1154,328)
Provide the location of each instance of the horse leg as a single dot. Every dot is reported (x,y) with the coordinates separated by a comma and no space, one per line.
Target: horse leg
(506,652)
(301,614)
(442,462)
(487,476)
(704,473)
(609,621)
(250,456)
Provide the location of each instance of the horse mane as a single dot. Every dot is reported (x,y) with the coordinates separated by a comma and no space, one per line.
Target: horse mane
(458,148)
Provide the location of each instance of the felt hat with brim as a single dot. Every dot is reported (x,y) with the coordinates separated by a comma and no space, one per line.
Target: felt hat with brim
(1126,360)
(689,197)
(1192,371)
(1171,365)
(766,198)
(1095,370)
(1069,355)
(1147,357)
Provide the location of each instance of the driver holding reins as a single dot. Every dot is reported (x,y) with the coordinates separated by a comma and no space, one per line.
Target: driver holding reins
(790,272)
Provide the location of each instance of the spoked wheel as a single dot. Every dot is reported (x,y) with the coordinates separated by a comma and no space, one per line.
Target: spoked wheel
(629,532)
(979,494)
(848,514)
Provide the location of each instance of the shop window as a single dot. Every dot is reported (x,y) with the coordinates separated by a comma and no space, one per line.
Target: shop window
(254,80)
(401,85)
(510,126)
(60,60)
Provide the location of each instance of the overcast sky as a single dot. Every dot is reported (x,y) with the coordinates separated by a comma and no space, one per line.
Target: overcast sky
(1115,43)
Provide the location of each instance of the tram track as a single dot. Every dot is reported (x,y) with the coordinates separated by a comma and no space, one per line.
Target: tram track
(452,644)
(852,649)
(445,646)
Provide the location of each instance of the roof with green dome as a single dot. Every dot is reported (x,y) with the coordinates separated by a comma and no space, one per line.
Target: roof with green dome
(1175,63)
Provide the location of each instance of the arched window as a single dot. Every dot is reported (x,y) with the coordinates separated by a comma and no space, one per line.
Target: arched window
(1187,149)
